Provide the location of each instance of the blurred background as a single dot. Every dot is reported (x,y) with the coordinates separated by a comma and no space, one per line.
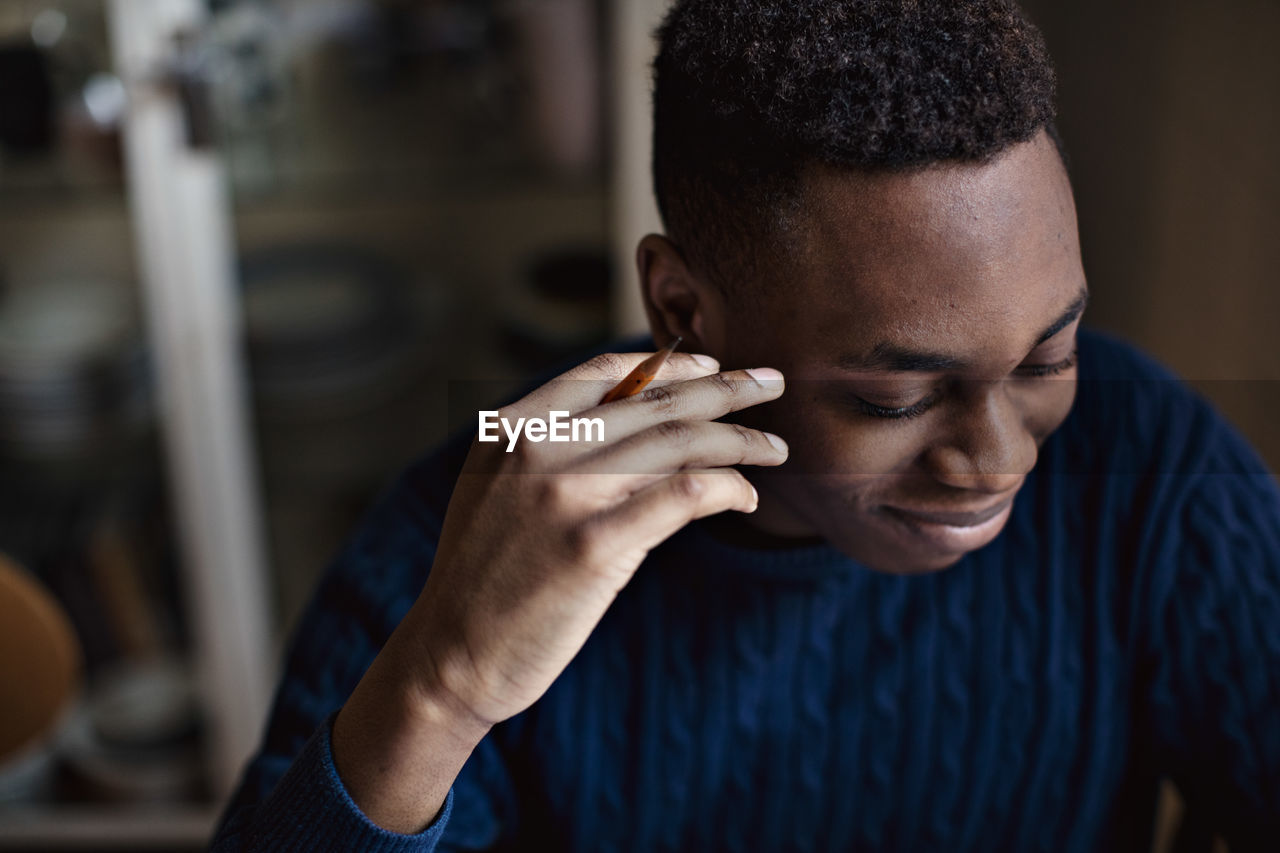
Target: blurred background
(246,244)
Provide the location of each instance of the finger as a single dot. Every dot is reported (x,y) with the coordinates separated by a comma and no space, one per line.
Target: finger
(705,398)
(657,511)
(669,446)
(583,387)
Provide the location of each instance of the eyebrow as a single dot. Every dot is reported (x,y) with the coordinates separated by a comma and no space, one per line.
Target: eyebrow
(890,358)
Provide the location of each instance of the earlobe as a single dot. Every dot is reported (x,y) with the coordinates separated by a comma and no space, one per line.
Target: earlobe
(675,300)
(698,326)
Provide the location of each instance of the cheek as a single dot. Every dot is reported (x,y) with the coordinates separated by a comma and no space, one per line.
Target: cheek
(828,439)
(843,449)
(1049,406)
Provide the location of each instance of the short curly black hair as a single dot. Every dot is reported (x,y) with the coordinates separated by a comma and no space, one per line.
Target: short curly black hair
(749,93)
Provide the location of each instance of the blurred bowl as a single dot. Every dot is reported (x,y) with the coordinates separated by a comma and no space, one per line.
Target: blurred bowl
(135,737)
(40,672)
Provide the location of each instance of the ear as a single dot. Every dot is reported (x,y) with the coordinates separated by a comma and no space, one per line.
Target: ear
(676,301)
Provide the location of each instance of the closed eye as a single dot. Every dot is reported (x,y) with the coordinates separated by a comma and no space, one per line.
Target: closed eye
(1037,370)
(1032,371)
(902,413)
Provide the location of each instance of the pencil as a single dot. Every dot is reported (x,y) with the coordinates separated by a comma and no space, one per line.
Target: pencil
(643,374)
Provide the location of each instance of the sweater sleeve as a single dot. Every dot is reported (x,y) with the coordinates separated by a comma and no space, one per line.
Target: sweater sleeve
(1215,697)
(290,797)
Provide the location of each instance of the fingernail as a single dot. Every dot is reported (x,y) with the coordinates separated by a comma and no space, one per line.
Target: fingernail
(756,503)
(764,374)
(705,361)
(777,442)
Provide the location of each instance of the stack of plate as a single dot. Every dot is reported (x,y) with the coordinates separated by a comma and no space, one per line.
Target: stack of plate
(329,329)
(73,373)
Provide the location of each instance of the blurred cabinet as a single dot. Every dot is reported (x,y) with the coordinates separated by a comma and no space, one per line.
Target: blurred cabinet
(129,487)
(265,254)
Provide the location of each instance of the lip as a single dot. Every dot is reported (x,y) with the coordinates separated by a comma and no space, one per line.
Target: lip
(955,519)
(974,530)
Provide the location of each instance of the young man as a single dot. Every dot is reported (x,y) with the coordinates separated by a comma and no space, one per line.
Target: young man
(966,602)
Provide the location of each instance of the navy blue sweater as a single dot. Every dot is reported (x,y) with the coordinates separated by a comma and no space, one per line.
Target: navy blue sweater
(1125,625)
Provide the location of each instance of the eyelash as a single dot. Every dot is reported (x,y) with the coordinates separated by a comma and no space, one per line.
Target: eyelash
(1038,370)
(1035,371)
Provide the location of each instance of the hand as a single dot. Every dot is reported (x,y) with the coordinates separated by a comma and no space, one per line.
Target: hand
(537,542)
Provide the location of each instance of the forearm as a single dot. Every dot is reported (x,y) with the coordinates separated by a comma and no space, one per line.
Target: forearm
(398,750)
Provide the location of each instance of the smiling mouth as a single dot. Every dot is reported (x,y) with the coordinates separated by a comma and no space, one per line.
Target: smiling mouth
(950,532)
(962,519)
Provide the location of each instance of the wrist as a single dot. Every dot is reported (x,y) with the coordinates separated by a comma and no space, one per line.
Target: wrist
(398,750)
(417,703)
(441,685)
(437,710)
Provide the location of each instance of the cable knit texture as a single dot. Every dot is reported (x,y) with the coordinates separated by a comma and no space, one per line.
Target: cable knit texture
(1124,626)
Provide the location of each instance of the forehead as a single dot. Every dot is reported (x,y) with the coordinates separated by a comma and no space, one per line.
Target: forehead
(973,257)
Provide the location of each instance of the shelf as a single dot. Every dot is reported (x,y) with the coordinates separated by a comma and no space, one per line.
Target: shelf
(421,188)
(158,827)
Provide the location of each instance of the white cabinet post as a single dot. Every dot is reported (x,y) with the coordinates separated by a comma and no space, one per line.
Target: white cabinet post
(182,225)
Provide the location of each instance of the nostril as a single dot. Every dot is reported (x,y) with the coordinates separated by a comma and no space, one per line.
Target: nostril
(987,444)
(982,468)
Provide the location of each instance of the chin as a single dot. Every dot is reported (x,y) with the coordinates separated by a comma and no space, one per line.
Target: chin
(892,560)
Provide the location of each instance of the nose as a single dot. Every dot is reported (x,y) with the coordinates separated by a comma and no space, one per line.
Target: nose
(988,446)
